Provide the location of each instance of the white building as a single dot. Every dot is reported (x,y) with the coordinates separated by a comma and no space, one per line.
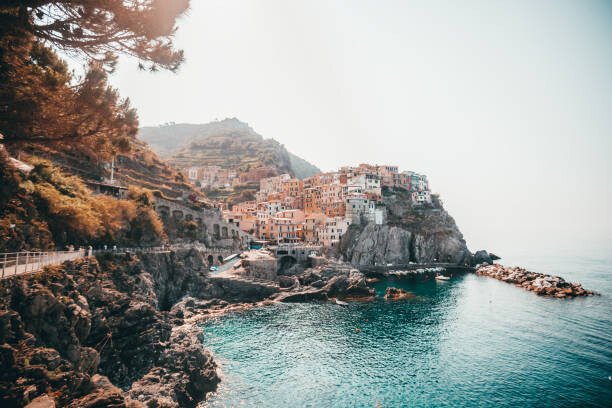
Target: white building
(370,183)
(421,197)
(273,184)
(330,233)
(358,205)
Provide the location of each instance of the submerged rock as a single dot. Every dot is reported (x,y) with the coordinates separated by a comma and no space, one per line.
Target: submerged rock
(397,294)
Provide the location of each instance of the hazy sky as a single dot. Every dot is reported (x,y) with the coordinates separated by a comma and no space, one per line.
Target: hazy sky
(506,106)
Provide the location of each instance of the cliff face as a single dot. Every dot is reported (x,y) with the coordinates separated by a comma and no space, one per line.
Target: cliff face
(78,334)
(410,235)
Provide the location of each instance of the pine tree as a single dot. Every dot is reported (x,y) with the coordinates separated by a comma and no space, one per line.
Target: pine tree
(100,29)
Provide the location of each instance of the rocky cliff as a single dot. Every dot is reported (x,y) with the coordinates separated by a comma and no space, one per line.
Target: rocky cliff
(102,336)
(411,234)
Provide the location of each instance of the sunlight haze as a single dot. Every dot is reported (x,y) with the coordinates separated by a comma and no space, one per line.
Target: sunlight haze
(507,107)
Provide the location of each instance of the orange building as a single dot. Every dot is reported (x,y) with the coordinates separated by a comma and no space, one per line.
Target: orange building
(312,199)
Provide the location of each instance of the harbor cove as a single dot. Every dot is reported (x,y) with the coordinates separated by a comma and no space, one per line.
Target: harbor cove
(470,341)
(323,203)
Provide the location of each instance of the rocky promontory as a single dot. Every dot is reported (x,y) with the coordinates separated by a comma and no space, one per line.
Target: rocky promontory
(412,233)
(539,283)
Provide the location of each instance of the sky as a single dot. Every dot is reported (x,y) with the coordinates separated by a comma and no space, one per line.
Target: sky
(505,105)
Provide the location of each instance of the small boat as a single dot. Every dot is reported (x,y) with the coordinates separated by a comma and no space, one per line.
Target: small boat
(341,303)
(442,278)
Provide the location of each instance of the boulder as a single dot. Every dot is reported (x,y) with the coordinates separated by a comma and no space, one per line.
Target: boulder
(397,294)
(44,401)
(481,257)
(286,281)
(303,296)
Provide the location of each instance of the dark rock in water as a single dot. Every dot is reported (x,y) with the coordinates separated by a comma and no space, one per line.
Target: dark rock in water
(481,257)
(493,256)
(397,294)
(352,284)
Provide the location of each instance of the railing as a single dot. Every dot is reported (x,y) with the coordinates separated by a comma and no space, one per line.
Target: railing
(140,250)
(165,248)
(17,263)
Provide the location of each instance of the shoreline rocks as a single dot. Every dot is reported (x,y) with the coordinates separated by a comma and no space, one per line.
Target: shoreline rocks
(397,294)
(539,283)
(102,334)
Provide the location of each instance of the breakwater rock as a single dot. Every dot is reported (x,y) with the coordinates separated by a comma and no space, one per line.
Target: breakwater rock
(539,283)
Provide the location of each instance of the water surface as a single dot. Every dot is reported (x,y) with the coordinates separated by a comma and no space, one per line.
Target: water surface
(472,341)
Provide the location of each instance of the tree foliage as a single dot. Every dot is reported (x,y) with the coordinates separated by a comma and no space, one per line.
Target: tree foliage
(40,103)
(48,208)
(100,29)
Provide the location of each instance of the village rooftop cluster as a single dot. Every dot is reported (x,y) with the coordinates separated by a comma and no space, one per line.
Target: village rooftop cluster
(318,209)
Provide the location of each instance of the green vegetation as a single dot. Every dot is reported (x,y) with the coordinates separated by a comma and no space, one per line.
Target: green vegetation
(301,168)
(77,123)
(98,30)
(228,143)
(50,209)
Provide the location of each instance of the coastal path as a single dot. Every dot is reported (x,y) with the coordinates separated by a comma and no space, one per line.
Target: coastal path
(18,263)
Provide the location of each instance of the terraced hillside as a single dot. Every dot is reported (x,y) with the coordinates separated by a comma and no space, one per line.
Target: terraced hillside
(140,167)
(228,143)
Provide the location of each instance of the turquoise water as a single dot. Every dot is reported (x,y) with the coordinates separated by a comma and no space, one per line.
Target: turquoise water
(469,342)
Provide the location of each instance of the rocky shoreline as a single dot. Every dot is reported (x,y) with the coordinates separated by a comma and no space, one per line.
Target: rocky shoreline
(125,330)
(539,283)
(112,332)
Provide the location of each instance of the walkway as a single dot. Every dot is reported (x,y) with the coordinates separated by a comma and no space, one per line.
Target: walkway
(18,263)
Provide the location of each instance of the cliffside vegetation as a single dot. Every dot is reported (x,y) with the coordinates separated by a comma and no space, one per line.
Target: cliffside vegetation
(70,126)
(50,209)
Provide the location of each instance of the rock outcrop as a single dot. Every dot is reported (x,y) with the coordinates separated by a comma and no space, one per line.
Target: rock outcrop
(324,282)
(412,234)
(378,244)
(483,257)
(101,335)
(539,283)
(397,294)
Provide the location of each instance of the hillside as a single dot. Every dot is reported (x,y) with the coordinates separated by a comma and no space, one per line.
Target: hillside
(140,166)
(228,143)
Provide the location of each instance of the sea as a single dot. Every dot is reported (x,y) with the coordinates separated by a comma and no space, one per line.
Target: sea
(469,342)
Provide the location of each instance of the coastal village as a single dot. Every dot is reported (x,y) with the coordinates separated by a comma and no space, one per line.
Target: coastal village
(316,210)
